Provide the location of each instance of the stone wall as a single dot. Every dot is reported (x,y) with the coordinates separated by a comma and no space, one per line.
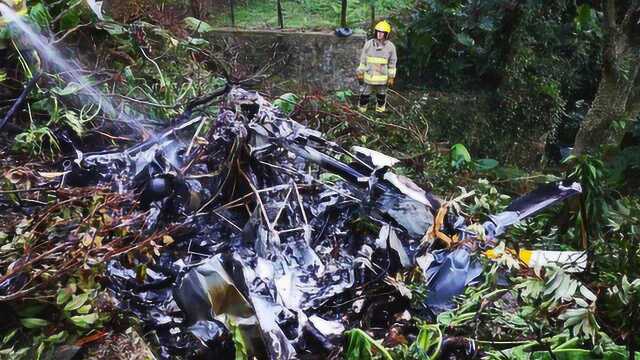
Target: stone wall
(302,61)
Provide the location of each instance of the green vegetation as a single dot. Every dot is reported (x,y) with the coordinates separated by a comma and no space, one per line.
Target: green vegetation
(306,14)
(488,86)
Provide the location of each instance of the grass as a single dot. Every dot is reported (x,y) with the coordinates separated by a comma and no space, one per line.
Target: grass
(306,14)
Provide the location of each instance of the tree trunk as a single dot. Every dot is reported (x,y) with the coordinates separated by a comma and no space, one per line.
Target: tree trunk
(609,105)
(617,96)
(505,42)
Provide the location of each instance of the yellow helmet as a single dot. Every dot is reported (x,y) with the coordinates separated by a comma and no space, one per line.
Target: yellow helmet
(383,26)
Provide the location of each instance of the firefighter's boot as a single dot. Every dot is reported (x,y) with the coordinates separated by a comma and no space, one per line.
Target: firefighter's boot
(362,103)
(381,103)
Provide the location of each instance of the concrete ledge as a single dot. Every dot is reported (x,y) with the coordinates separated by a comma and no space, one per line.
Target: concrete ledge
(280,31)
(307,60)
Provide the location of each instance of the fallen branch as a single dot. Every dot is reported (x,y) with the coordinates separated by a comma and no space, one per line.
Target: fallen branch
(20,100)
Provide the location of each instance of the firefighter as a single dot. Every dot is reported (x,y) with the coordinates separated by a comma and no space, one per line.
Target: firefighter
(377,69)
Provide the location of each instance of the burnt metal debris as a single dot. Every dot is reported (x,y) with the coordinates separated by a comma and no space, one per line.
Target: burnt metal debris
(276,246)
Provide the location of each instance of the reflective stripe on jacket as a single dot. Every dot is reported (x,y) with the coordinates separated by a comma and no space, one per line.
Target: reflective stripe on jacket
(378,62)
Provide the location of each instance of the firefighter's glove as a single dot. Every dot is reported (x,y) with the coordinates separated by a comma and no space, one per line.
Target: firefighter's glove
(391,81)
(360,77)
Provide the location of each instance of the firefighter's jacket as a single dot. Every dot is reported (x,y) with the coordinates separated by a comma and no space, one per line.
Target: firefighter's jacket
(378,62)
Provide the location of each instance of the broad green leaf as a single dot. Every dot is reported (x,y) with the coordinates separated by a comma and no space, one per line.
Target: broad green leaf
(72,119)
(40,350)
(329,178)
(459,155)
(626,285)
(71,18)
(445,318)
(84,309)
(113,28)
(63,296)
(84,321)
(238,340)
(18,353)
(360,344)
(465,40)
(531,288)
(40,15)
(585,17)
(196,25)
(197,41)
(572,287)
(343,95)
(57,338)
(581,302)
(587,293)
(427,343)
(286,103)
(32,323)
(9,336)
(486,164)
(70,89)
(76,302)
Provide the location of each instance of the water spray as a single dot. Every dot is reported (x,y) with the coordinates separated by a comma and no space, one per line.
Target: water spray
(72,70)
